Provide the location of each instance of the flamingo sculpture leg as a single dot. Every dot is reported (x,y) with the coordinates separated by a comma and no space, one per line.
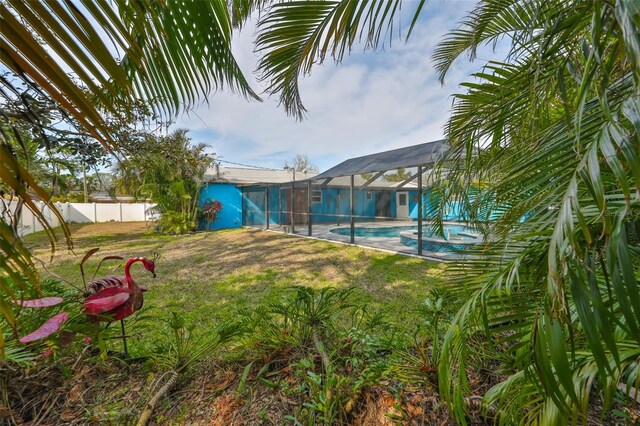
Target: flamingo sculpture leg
(115,298)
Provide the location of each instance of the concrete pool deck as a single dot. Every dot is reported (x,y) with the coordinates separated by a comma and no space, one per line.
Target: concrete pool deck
(388,244)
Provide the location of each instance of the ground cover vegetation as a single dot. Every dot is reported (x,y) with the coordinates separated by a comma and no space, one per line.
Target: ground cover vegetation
(547,136)
(556,287)
(315,332)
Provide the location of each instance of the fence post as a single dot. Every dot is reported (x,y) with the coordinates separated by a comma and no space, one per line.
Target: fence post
(144,211)
(44,211)
(95,213)
(23,228)
(120,205)
(21,225)
(420,210)
(68,213)
(309,218)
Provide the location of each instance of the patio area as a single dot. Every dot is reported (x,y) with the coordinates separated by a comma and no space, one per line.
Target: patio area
(354,202)
(391,244)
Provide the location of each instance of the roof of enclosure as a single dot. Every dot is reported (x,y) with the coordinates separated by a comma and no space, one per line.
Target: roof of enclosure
(345,182)
(410,156)
(245,176)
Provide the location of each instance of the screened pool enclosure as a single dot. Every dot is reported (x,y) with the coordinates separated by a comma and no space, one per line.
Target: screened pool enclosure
(351,203)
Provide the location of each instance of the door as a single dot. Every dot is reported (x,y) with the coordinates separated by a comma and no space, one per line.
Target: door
(299,202)
(383,203)
(301,206)
(402,205)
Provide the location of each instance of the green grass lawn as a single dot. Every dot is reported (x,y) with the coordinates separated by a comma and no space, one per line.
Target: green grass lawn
(271,370)
(279,366)
(210,277)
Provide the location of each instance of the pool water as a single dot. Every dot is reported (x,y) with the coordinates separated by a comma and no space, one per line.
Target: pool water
(451,231)
(370,231)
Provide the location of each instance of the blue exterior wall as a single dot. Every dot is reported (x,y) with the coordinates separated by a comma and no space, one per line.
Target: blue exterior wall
(253,207)
(394,211)
(249,208)
(231,198)
(413,203)
(336,201)
(274,205)
(365,207)
(452,211)
(332,204)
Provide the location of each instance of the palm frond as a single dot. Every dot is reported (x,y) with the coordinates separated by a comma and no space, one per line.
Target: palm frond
(293,36)
(550,140)
(93,59)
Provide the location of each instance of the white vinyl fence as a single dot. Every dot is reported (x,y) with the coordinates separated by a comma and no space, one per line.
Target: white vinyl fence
(85,213)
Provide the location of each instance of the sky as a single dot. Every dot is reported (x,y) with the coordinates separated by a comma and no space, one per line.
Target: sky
(371,102)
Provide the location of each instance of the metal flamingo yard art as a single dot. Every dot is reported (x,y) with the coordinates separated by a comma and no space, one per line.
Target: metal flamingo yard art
(117,297)
(107,299)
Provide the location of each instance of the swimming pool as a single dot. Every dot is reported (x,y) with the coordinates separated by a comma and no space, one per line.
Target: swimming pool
(454,243)
(456,237)
(374,231)
(451,231)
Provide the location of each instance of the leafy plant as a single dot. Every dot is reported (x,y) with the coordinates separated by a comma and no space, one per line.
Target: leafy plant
(170,171)
(326,396)
(92,79)
(333,345)
(550,135)
(16,354)
(433,312)
(417,359)
(181,350)
(303,318)
(210,210)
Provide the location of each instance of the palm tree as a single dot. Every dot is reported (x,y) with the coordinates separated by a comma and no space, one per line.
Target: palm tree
(555,291)
(94,59)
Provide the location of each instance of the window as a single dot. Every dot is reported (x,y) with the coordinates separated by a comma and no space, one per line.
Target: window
(369,195)
(402,199)
(316,197)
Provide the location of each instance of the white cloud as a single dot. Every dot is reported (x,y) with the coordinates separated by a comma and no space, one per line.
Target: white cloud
(371,102)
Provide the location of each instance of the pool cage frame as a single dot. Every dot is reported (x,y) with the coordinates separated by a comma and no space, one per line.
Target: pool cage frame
(274,199)
(288,207)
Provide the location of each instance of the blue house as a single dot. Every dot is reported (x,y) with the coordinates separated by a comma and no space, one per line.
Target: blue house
(351,192)
(329,205)
(248,196)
